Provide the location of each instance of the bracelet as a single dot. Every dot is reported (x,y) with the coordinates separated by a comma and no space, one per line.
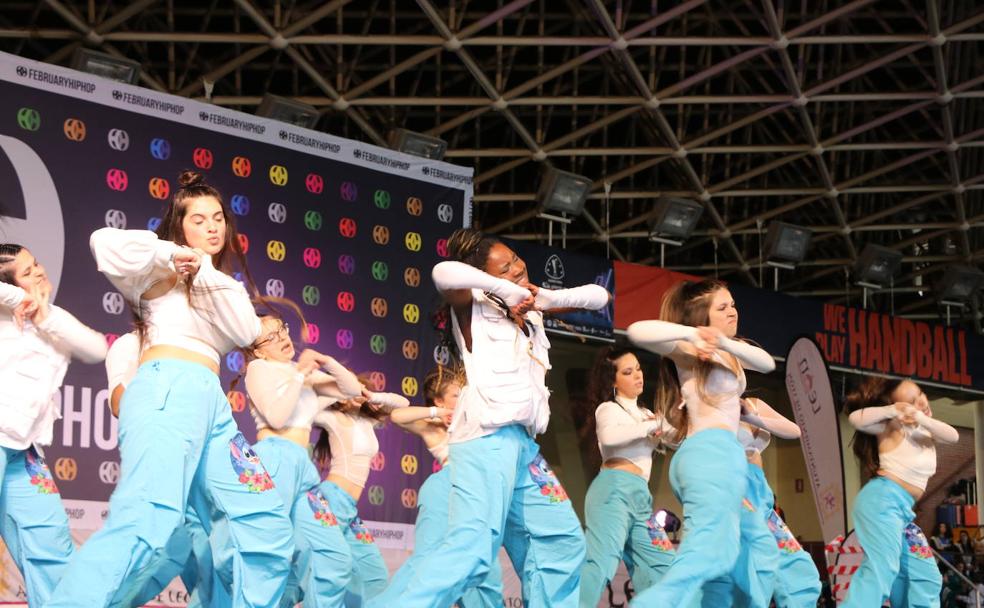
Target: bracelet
(433,411)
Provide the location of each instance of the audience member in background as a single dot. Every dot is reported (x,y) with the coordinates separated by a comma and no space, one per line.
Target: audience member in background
(942,541)
(965,547)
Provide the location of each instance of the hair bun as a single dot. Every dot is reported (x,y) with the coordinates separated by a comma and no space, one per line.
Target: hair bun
(188,179)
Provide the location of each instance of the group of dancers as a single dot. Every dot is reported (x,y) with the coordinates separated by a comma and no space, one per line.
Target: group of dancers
(255,525)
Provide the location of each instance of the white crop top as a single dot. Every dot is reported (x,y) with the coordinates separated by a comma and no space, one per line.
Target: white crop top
(914,459)
(753,443)
(221,316)
(122,360)
(281,397)
(440,451)
(722,384)
(625,430)
(33,362)
(353,444)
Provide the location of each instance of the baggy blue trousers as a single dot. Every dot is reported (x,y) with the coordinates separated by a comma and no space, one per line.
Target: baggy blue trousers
(33,522)
(708,477)
(503,493)
(179,444)
(621,526)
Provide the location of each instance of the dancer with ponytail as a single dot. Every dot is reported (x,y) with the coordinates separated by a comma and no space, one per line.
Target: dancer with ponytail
(618,509)
(702,379)
(187,554)
(348,443)
(178,440)
(442,387)
(502,489)
(37,342)
(895,443)
(285,397)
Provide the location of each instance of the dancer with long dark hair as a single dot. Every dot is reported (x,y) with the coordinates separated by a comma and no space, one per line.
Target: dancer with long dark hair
(442,388)
(37,342)
(179,442)
(895,444)
(618,510)
(285,397)
(502,489)
(347,445)
(702,379)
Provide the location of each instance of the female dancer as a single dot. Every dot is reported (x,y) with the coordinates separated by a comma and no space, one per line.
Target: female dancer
(348,441)
(442,387)
(187,554)
(37,342)
(895,444)
(701,398)
(618,509)
(192,312)
(285,397)
(771,562)
(502,490)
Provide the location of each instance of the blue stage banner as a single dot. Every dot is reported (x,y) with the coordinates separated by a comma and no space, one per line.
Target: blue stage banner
(348,230)
(556,268)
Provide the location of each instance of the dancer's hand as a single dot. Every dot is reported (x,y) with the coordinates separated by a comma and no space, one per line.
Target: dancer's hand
(518,311)
(186,261)
(309,360)
(706,342)
(905,413)
(41,294)
(25,310)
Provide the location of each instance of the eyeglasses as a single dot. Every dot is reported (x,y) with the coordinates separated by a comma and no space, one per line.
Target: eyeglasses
(282,331)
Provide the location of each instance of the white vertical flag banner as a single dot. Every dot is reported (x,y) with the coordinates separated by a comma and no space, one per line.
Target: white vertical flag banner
(810,394)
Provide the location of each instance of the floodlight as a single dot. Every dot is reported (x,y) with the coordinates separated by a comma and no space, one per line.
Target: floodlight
(786,244)
(290,111)
(106,66)
(417,144)
(562,192)
(675,220)
(876,266)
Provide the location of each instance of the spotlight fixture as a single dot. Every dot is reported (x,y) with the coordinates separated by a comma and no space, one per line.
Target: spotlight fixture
(417,144)
(786,244)
(106,66)
(958,284)
(675,220)
(876,266)
(290,111)
(562,192)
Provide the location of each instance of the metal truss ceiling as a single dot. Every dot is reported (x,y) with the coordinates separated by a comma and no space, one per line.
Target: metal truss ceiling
(862,120)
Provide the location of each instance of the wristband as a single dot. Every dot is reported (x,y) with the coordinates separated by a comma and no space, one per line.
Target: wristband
(433,411)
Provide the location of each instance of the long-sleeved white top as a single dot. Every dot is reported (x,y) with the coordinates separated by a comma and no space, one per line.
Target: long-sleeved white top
(506,366)
(723,386)
(352,437)
(629,432)
(281,397)
(221,316)
(33,362)
(122,360)
(913,460)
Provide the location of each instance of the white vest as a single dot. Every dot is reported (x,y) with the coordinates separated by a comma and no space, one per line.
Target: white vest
(506,373)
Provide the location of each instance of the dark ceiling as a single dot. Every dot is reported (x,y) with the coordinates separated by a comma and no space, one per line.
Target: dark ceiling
(861,120)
